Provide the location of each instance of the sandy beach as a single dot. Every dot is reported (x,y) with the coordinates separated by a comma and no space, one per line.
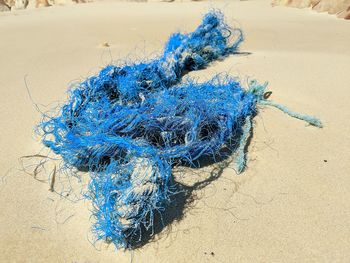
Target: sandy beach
(292,202)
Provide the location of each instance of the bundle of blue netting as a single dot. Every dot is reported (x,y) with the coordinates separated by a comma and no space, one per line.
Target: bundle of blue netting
(130,124)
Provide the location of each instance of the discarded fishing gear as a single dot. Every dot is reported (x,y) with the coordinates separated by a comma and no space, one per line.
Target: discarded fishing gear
(129,125)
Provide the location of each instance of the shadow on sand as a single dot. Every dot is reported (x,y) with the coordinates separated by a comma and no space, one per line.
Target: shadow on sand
(175,209)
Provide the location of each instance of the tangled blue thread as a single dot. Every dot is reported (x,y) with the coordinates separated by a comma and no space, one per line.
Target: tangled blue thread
(129,125)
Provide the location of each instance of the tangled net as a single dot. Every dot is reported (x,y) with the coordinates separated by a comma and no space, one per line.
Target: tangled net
(129,125)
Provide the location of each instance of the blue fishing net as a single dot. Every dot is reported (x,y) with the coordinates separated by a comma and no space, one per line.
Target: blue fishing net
(129,125)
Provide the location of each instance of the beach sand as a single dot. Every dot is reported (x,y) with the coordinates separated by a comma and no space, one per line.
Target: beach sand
(292,202)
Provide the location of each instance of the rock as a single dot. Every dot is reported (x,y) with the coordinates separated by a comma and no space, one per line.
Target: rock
(345,14)
(21,4)
(41,3)
(339,7)
(7,5)
(332,6)
(300,3)
(314,3)
(10,3)
(296,3)
(4,7)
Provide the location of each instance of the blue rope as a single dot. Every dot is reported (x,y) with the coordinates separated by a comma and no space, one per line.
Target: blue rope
(309,119)
(241,156)
(130,124)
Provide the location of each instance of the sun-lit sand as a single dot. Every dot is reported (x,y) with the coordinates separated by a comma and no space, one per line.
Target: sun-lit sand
(290,205)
